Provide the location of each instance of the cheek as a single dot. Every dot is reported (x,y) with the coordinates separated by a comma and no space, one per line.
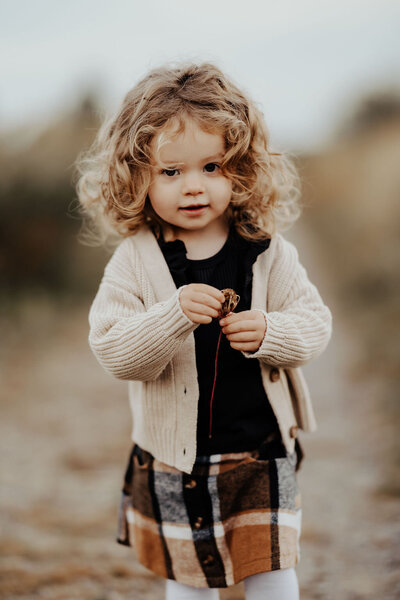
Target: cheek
(225,189)
(157,195)
(152,196)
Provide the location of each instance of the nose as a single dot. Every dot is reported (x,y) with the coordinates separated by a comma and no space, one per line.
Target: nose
(192,184)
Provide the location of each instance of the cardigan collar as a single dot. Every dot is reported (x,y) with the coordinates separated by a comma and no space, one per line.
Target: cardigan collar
(157,268)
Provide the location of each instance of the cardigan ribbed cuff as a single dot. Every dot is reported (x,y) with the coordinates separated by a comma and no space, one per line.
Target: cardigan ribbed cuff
(272,343)
(140,347)
(287,344)
(172,318)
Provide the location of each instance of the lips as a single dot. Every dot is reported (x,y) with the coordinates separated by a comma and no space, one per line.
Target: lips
(193,207)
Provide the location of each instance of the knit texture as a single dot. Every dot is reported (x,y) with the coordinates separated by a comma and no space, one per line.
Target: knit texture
(138,332)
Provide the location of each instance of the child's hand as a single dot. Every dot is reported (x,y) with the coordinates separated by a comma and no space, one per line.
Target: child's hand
(245,330)
(201,302)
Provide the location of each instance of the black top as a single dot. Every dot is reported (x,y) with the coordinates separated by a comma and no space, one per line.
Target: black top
(242,416)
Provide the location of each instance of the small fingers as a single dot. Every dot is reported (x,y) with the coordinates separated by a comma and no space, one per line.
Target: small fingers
(250,315)
(245,346)
(199,318)
(207,300)
(203,309)
(237,326)
(209,291)
(244,336)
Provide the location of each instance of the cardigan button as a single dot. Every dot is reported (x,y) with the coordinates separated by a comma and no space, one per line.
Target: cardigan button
(198,522)
(274,374)
(293,431)
(190,484)
(208,560)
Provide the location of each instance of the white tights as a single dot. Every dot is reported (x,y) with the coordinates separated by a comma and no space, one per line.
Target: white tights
(272,585)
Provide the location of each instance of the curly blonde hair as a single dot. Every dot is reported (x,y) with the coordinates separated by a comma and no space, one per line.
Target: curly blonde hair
(115,174)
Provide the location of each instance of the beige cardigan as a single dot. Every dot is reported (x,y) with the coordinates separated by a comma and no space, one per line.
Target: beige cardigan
(139,332)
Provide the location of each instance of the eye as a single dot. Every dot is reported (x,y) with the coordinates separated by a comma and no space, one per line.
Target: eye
(211,167)
(169,172)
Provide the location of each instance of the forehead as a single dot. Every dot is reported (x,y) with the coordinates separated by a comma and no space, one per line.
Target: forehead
(190,142)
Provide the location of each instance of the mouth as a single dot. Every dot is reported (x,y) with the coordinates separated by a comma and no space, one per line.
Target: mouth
(194,207)
(194,210)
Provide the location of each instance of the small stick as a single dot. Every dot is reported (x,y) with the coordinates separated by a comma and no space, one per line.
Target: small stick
(228,306)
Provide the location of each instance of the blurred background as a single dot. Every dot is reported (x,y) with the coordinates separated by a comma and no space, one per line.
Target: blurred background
(327,77)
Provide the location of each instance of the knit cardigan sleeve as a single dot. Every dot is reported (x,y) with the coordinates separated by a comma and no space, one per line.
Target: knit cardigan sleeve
(299,324)
(130,341)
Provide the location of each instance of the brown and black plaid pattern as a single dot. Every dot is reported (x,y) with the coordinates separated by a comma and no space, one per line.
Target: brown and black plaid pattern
(235,515)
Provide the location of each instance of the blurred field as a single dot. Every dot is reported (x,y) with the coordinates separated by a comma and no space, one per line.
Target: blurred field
(65,427)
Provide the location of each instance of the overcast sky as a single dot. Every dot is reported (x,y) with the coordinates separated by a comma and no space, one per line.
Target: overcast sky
(304,61)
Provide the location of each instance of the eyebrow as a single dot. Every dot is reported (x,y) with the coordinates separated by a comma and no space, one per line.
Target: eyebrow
(206,159)
(215,156)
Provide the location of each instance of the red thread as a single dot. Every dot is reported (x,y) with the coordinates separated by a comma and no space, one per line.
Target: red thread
(215,379)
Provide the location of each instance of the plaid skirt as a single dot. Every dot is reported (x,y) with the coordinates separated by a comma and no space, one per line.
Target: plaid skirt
(235,515)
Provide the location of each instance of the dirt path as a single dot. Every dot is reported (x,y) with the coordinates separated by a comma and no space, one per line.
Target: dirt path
(351,532)
(65,434)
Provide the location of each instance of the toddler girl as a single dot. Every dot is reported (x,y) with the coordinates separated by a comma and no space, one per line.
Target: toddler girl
(184,175)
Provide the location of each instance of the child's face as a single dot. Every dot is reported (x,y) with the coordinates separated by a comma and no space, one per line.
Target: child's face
(188,190)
